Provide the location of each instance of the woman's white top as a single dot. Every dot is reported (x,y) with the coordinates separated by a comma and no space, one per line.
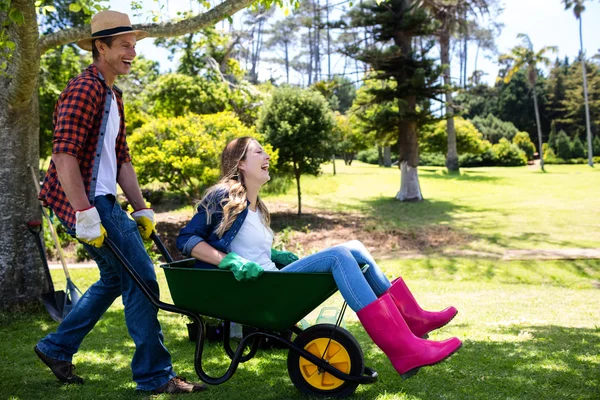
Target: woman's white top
(107,173)
(254,241)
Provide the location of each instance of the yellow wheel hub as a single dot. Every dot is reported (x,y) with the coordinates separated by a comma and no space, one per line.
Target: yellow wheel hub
(336,355)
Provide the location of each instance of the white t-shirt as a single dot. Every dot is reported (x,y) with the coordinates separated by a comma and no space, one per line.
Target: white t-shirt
(254,241)
(107,173)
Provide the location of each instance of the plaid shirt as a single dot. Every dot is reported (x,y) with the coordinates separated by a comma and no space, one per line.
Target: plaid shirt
(80,117)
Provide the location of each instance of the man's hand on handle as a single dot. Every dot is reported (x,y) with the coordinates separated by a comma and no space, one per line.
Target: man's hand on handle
(145,221)
(88,227)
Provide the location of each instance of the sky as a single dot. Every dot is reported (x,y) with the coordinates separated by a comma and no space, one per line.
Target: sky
(545,21)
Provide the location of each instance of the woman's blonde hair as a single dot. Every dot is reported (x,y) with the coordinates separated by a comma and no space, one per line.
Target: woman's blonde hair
(232,182)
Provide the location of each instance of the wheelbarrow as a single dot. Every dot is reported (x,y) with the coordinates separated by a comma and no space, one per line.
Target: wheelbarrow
(324,360)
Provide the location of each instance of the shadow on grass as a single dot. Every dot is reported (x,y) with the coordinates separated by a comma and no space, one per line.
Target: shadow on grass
(539,362)
(468,175)
(524,362)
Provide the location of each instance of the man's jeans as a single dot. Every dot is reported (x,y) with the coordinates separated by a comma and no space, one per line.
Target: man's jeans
(344,261)
(151,364)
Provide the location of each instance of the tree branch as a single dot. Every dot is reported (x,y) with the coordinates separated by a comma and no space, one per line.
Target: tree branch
(166,29)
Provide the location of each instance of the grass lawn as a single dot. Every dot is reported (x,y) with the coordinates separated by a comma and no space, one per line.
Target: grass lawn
(528,332)
(488,209)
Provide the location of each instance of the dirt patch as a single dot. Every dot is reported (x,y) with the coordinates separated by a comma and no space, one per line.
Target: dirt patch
(316,230)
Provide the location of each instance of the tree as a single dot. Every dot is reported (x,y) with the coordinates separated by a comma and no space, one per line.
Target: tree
(563,145)
(21,46)
(283,36)
(299,124)
(451,14)
(578,9)
(394,25)
(525,57)
(349,139)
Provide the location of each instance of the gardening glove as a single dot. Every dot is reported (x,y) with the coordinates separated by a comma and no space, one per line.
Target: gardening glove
(88,227)
(145,221)
(283,258)
(242,269)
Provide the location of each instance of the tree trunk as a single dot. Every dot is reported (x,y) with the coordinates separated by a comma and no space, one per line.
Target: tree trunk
(585,98)
(287,63)
(387,157)
(333,162)
(452,156)
(539,128)
(297,175)
(410,189)
(328,44)
(379,156)
(22,280)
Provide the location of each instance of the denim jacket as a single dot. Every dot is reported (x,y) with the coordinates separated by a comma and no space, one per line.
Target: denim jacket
(199,230)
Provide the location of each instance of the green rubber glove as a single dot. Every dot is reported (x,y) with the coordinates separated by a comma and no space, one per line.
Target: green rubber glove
(283,258)
(242,269)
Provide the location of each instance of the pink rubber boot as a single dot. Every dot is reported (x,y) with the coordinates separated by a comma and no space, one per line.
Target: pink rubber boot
(388,330)
(419,321)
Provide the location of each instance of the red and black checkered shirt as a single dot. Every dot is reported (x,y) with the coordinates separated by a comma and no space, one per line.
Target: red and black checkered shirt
(77,121)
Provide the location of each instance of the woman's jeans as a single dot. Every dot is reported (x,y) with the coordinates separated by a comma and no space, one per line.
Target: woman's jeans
(344,261)
(151,364)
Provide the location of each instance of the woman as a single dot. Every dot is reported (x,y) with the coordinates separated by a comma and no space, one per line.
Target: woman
(231,230)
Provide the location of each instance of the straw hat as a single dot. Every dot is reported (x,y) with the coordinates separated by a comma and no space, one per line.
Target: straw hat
(109,23)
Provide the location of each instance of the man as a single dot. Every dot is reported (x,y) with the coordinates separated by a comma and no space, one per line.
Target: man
(89,157)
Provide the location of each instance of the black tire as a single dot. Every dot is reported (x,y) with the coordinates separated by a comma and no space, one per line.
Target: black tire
(345,340)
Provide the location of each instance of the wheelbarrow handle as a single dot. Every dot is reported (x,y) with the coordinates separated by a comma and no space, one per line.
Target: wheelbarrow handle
(161,247)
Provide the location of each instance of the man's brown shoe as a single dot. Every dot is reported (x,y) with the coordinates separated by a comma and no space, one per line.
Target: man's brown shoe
(178,385)
(62,369)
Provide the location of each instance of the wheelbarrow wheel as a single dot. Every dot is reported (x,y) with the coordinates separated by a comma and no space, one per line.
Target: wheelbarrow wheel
(342,352)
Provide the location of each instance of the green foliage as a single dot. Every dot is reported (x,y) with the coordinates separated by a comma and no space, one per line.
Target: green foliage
(369,156)
(57,67)
(596,146)
(432,159)
(175,95)
(549,154)
(552,136)
(299,124)
(376,119)
(434,137)
(348,139)
(184,152)
(577,148)
(340,92)
(522,140)
(563,145)
(494,129)
(508,154)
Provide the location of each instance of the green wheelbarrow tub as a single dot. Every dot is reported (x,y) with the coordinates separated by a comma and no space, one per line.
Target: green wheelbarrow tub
(275,301)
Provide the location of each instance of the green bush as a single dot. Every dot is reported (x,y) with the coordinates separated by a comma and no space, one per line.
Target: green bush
(432,159)
(184,152)
(563,145)
(577,149)
(549,154)
(596,146)
(369,156)
(522,140)
(508,154)
(433,138)
(494,129)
